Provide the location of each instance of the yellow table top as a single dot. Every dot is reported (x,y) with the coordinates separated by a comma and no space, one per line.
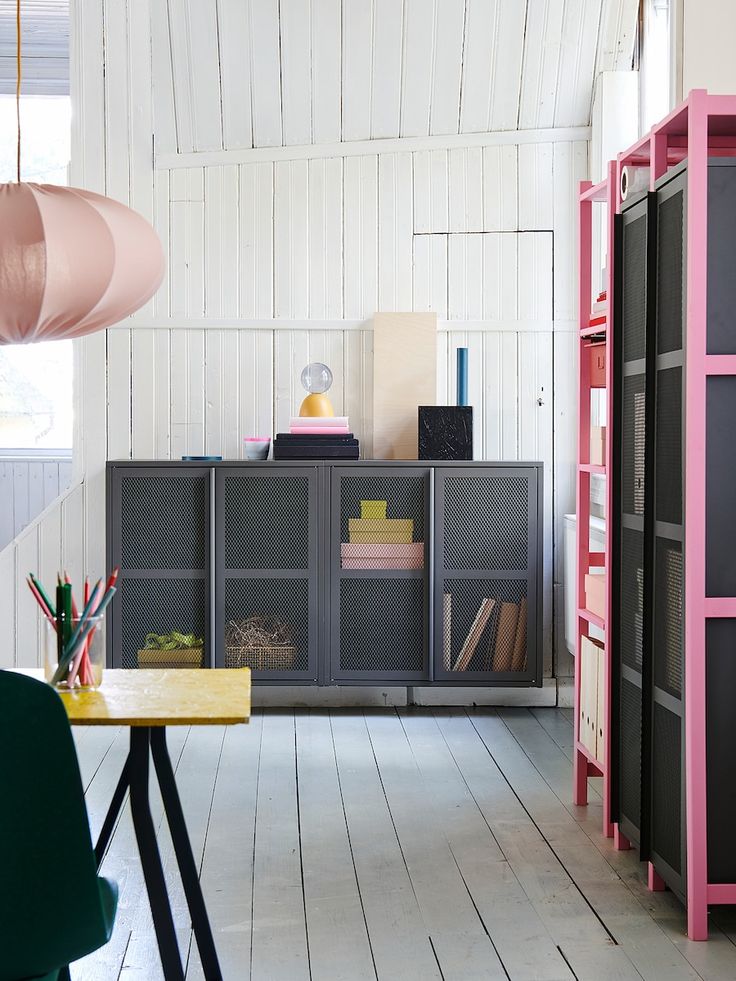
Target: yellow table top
(161,697)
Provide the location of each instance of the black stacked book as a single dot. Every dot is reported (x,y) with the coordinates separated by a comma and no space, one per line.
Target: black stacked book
(315,446)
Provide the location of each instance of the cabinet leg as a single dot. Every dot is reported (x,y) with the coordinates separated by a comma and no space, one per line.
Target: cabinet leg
(620,842)
(655,882)
(580,779)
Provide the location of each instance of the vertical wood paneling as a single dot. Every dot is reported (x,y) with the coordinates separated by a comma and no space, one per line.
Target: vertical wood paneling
(395,230)
(386,68)
(501,396)
(162,218)
(327,346)
(506,64)
(27,617)
(539,79)
(447,66)
(535,186)
(296,82)
(357,67)
(358,386)
(256,240)
(325,239)
(221,242)
(326,70)
(72,544)
(118,395)
(117,155)
(290,354)
(214,402)
(91,448)
(535,443)
(565,436)
(20,501)
(500,278)
(416,94)
(8,579)
(570,167)
(466,189)
(430,275)
(256,393)
(143,393)
(204,73)
(577,61)
(535,276)
(265,76)
(500,189)
(230,392)
(187,245)
(443,359)
(431,199)
(235,72)
(291,239)
(7,522)
(179,47)
(361,236)
(465,293)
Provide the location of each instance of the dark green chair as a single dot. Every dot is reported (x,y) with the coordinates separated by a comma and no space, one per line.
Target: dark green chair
(54,908)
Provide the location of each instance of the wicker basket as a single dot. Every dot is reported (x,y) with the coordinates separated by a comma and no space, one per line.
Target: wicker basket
(180,657)
(279,657)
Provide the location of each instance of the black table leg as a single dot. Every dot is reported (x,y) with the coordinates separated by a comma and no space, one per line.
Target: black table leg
(185,858)
(112,815)
(163,921)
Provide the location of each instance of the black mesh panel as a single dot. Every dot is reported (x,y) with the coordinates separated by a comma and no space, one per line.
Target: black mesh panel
(634,313)
(668,471)
(630,759)
(382,625)
(163,518)
(485,636)
(276,607)
(633,444)
(498,506)
(159,606)
(404,496)
(668,616)
(669,274)
(666,789)
(266,520)
(632,597)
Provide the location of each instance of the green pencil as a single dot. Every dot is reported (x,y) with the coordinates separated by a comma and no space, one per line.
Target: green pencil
(44,597)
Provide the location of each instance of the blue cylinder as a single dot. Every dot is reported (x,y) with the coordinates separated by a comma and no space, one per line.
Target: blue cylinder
(462,376)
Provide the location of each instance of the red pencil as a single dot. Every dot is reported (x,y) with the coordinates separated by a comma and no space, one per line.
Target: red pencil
(41,603)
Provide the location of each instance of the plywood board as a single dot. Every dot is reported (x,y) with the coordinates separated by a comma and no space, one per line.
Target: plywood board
(405,377)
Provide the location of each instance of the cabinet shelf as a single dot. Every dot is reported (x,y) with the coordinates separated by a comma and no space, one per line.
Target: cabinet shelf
(596,468)
(592,618)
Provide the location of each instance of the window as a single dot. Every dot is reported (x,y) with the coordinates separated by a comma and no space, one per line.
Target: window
(36,379)
(655,62)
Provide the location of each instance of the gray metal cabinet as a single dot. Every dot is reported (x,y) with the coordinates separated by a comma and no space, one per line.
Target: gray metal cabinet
(214,550)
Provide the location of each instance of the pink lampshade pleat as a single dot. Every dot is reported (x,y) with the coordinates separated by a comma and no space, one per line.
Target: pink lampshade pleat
(22,262)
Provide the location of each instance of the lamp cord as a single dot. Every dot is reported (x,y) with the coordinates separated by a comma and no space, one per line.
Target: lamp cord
(17,83)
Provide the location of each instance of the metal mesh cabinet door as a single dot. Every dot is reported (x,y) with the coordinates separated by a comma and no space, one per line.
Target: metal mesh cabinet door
(665,792)
(633,380)
(159,535)
(379,535)
(266,614)
(486,597)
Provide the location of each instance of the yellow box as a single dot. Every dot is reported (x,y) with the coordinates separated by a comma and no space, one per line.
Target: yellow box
(373,509)
(381,531)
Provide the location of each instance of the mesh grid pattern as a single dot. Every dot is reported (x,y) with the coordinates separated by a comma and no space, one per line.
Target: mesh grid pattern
(633,444)
(630,758)
(666,789)
(266,520)
(668,470)
(158,606)
(171,535)
(631,613)
(668,616)
(486,523)
(669,274)
(382,625)
(477,643)
(404,495)
(635,288)
(286,600)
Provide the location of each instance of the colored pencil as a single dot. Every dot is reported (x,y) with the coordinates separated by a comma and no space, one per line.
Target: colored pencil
(43,595)
(39,599)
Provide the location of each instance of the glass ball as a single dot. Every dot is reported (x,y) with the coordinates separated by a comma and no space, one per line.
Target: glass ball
(316,378)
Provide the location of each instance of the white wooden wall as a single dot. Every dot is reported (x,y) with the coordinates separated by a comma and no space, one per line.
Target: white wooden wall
(283,258)
(27,486)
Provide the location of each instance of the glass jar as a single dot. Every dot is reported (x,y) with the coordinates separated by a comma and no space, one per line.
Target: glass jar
(86,665)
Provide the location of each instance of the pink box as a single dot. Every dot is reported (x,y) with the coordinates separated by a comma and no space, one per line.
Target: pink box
(388,562)
(595,594)
(598,445)
(398,556)
(597,365)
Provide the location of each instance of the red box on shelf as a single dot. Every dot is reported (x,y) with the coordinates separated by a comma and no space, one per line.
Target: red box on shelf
(597,365)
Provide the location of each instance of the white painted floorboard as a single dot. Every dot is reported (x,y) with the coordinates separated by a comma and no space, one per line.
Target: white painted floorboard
(394,845)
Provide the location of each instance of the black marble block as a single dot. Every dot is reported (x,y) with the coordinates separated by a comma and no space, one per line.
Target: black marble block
(445,432)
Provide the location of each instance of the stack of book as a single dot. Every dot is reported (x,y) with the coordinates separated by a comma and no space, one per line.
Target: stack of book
(505,645)
(379,542)
(316,438)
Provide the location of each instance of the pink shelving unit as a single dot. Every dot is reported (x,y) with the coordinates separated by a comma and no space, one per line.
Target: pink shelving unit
(702,127)
(604,197)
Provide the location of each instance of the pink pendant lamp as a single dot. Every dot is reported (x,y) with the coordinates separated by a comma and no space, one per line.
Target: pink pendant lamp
(71,261)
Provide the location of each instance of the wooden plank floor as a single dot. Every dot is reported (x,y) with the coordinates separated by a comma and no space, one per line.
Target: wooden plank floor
(409,844)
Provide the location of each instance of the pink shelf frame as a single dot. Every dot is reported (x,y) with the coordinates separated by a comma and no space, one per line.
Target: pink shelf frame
(703,125)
